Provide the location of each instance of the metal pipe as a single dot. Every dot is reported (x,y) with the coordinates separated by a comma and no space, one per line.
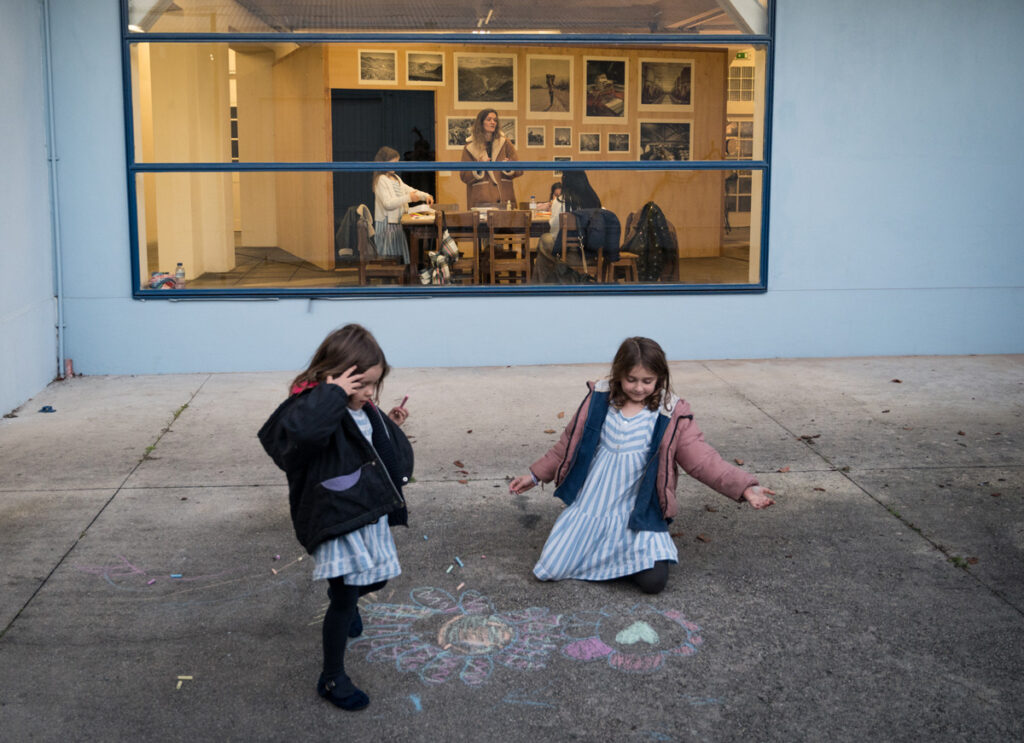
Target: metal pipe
(51,145)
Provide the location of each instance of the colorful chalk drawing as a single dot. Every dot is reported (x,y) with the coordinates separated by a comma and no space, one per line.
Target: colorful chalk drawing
(440,637)
(638,640)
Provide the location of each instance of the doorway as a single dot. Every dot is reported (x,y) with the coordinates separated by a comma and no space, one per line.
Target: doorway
(363,121)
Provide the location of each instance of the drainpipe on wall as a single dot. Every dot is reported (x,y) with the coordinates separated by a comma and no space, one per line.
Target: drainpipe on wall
(51,145)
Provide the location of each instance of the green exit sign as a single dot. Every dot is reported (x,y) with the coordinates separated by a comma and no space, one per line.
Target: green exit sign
(741,55)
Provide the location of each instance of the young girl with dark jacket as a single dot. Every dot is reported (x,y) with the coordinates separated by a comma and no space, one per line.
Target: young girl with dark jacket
(346,463)
(615,467)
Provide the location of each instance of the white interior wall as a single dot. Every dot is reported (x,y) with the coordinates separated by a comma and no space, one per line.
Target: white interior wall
(28,355)
(894,225)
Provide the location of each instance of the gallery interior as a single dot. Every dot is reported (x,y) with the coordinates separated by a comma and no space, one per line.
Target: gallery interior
(255,126)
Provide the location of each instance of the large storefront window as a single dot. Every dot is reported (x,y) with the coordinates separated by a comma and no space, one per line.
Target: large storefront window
(288,148)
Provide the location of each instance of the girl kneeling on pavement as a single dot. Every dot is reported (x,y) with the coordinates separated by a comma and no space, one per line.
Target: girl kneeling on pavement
(615,468)
(346,464)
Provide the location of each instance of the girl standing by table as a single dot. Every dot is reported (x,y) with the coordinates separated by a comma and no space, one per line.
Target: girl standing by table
(391,199)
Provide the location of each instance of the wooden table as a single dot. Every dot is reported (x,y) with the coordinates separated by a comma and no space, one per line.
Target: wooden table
(423,228)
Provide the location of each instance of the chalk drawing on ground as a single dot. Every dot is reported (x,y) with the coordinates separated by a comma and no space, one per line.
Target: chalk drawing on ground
(440,637)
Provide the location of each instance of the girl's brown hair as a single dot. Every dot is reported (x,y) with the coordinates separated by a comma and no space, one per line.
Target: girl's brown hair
(638,351)
(384,154)
(351,345)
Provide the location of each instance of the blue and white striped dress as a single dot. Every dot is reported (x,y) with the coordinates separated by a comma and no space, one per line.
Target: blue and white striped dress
(364,556)
(591,539)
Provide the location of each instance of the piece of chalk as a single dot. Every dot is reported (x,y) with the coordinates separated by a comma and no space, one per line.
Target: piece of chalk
(424,537)
(449,569)
(459,587)
(277,557)
(175,575)
(272,570)
(404,400)
(151,582)
(459,561)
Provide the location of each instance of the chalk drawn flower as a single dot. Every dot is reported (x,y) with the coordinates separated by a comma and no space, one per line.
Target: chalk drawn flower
(440,637)
(638,639)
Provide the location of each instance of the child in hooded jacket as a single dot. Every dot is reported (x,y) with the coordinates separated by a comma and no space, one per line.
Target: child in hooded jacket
(346,463)
(615,467)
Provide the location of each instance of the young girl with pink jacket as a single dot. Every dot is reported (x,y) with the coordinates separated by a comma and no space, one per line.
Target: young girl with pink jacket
(615,466)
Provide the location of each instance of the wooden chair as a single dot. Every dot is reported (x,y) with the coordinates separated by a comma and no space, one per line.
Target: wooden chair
(626,263)
(508,249)
(464,227)
(373,266)
(572,246)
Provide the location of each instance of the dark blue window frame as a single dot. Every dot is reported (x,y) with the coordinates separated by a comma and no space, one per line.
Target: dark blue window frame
(134,169)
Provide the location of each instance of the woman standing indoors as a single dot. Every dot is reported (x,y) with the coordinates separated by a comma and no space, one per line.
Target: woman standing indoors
(486,144)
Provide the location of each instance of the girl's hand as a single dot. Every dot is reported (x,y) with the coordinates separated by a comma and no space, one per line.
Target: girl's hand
(398,414)
(757,496)
(350,380)
(520,485)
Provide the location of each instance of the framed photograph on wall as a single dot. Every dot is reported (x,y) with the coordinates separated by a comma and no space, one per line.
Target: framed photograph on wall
(457,131)
(549,87)
(508,127)
(424,68)
(666,85)
(607,89)
(561,159)
(664,140)
(378,67)
(590,142)
(535,136)
(485,81)
(561,136)
(618,142)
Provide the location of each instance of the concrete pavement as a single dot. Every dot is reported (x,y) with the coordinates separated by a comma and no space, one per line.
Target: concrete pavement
(881,598)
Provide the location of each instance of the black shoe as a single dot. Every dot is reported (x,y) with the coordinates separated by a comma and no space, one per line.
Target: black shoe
(345,695)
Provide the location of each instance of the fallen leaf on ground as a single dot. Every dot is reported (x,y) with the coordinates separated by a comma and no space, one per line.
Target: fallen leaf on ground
(561,414)
(703,538)
(710,509)
(738,461)
(820,490)
(960,433)
(677,534)
(886,410)
(457,463)
(470,431)
(972,560)
(784,469)
(996,495)
(898,381)
(463,472)
(463,482)
(549,430)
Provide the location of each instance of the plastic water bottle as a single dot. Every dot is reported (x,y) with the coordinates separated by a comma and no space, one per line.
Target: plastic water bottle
(179,276)
(533,204)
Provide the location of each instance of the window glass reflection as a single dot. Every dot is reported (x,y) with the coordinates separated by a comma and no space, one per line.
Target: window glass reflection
(285,230)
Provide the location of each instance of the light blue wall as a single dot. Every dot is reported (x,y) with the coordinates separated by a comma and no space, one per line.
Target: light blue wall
(895,219)
(28,358)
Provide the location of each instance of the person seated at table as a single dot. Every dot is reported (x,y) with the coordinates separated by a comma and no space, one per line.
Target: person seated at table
(556,192)
(391,199)
(576,194)
(488,143)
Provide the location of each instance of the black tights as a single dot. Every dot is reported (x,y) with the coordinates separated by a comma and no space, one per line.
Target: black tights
(652,580)
(337,620)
